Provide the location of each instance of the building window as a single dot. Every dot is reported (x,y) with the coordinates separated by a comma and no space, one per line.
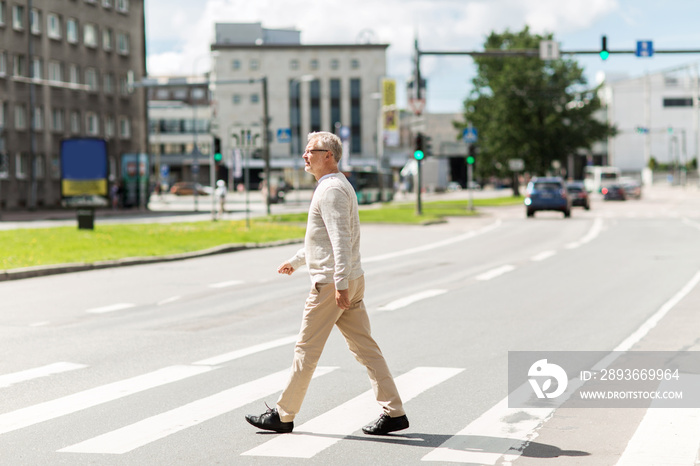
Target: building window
(254,98)
(55,167)
(123,6)
(40,166)
(295,115)
(108,83)
(3,63)
(2,115)
(122,43)
(4,166)
(90,35)
(294,65)
(107,39)
(73,74)
(18,17)
(163,94)
(72,31)
(20,65)
(355,64)
(198,93)
(38,118)
(20,117)
(180,94)
(235,65)
(57,120)
(315,97)
(313,64)
(2,13)
(91,79)
(355,117)
(55,71)
(35,21)
(124,128)
(335,102)
(92,126)
(335,64)
(109,127)
(678,102)
(53,26)
(21,165)
(123,85)
(37,69)
(106,3)
(236,99)
(75,122)
(254,64)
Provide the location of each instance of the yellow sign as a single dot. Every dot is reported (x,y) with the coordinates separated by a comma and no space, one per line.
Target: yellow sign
(84,187)
(388,92)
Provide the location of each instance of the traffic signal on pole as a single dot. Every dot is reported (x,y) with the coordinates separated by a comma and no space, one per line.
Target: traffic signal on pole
(427,147)
(604,54)
(217,150)
(419,153)
(471,157)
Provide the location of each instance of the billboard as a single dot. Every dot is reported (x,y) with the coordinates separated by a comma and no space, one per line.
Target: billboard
(84,172)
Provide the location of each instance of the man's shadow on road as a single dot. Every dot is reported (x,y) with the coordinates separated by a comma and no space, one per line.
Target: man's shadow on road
(474,443)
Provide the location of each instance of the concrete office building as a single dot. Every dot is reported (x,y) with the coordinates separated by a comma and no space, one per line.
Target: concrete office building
(64,70)
(656,116)
(311,87)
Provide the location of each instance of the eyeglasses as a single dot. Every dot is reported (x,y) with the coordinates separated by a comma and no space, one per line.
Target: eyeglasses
(316,150)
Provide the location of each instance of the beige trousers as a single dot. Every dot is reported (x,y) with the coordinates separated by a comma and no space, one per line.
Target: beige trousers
(320,314)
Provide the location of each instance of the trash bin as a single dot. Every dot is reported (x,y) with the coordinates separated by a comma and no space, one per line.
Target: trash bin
(86,219)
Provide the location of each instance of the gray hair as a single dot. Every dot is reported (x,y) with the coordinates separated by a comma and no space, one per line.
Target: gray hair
(328,141)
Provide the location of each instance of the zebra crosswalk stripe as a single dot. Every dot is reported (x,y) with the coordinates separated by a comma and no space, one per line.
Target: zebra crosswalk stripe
(160,426)
(325,430)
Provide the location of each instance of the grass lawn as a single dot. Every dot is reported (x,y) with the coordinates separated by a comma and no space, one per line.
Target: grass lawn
(59,245)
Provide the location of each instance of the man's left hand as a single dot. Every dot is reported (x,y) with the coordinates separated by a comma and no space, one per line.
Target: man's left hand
(342,299)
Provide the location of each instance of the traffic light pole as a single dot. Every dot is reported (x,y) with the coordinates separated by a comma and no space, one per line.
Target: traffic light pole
(419,188)
(470,176)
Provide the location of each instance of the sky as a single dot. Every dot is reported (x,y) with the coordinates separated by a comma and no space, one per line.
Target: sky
(179,33)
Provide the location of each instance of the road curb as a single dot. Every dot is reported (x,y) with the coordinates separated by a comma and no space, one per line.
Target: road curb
(44,270)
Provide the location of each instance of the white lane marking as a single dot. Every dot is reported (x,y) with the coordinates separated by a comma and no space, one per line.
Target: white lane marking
(437,244)
(225,284)
(110,308)
(499,430)
(590,236)
(542,256)
(667,436)
(497,422)
(652,321)
(325,430)
(37,372)
(493,273)
(154,428)
(40,324)
(227,357)
(168,300)
(48,410)
(408,300)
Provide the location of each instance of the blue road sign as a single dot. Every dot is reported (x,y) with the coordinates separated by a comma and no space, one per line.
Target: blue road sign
(284,135)
(470,135)
(645,48)
(165,170)
(344,133)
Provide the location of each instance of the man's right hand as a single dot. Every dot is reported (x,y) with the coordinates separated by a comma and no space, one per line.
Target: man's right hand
(285,268)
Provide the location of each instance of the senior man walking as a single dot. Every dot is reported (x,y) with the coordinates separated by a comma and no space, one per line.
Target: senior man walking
(332,253)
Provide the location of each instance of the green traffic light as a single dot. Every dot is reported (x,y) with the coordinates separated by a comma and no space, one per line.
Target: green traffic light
(604,54)
(217,157)
(470,160)
(418,155)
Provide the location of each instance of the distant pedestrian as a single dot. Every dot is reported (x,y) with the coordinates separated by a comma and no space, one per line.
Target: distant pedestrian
(332,253)
(220,194)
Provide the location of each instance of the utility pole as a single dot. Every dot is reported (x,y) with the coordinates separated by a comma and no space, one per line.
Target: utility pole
(266,143)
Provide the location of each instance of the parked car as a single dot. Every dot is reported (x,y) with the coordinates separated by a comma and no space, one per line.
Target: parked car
(547,193)
(185,188)
(633,188)
(578,194)
(613,192)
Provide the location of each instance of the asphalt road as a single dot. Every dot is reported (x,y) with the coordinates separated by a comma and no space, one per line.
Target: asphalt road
(158,364)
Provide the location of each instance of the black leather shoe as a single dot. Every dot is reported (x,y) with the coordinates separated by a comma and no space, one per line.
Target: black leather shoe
(270,420)
(386,424)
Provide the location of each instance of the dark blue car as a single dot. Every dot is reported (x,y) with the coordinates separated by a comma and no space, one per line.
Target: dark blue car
(547,194)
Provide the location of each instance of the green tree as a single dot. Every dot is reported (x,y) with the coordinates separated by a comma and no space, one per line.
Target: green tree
(530,109)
